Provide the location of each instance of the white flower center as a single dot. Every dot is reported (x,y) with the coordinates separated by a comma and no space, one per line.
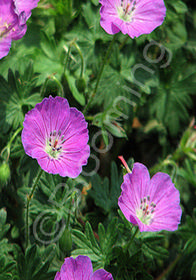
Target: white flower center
(146,211)
(125,10)
(54,144)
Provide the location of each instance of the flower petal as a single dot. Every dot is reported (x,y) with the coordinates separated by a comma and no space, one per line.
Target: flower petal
(136,18)
(51,123)
(134,188)
(25,6)
(101,274)
(79,268)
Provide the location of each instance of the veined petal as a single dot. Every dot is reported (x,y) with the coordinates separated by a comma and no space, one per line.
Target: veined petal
(153,204)
(56,135)
(134,18)
(25,6)
(101,274)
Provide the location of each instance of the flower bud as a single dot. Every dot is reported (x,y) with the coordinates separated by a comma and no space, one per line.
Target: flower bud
(65,242)
(81,84)
(4,173)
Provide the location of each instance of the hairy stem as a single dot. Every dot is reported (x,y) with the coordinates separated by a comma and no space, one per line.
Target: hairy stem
(29,197)
(100,74)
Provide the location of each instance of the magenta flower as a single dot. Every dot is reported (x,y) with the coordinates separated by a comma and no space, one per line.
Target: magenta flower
(132,17)
(152,204)
(81,269)
(56,135)
(13,17)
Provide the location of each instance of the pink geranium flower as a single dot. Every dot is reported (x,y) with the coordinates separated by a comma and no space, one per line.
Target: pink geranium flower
(13,17)
(152,204)
(132,17)
(56,135)
(81,269)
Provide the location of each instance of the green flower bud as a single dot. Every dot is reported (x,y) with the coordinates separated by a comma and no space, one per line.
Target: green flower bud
(65,242)
(4,173)
(81,84)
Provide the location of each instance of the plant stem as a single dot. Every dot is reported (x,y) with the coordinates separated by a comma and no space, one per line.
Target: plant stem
(133,236)
(29,197)
(10,142)
(82,59)
(100,74)
(169,268)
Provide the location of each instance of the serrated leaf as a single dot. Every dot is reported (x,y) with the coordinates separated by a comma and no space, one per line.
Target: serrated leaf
(106,196)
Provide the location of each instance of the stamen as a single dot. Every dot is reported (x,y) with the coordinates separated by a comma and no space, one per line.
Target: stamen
(146,210)
(55,143)
(63,141)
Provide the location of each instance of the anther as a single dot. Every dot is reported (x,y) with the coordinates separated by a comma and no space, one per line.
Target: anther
(63,141)
(50,133)
(144,199)
(59,133)
(148,197)
(62,137)
(54,133)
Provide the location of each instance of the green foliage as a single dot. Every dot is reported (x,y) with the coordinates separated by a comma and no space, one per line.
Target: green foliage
(105,196)
(35,263)
(7,264)
(143,108)
(17,97)
(100,252)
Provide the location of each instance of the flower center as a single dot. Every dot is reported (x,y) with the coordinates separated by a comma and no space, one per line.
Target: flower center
(54,144)
(6,28)
(146,211)
(126,9)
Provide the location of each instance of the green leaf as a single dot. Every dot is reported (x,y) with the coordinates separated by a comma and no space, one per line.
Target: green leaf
(34,265)
(16,95)
(72,86)
(106,196)
(86,246)
(179,6)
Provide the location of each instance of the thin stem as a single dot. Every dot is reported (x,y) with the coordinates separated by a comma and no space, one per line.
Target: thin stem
(67,58)
(124,42)
(10,142)
(169,268)
(59,85)
(68,55)
(82,59)
(29,197)
(133,236)
(100,74)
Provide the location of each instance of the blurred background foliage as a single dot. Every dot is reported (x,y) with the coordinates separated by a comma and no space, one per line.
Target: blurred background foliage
(144,109)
